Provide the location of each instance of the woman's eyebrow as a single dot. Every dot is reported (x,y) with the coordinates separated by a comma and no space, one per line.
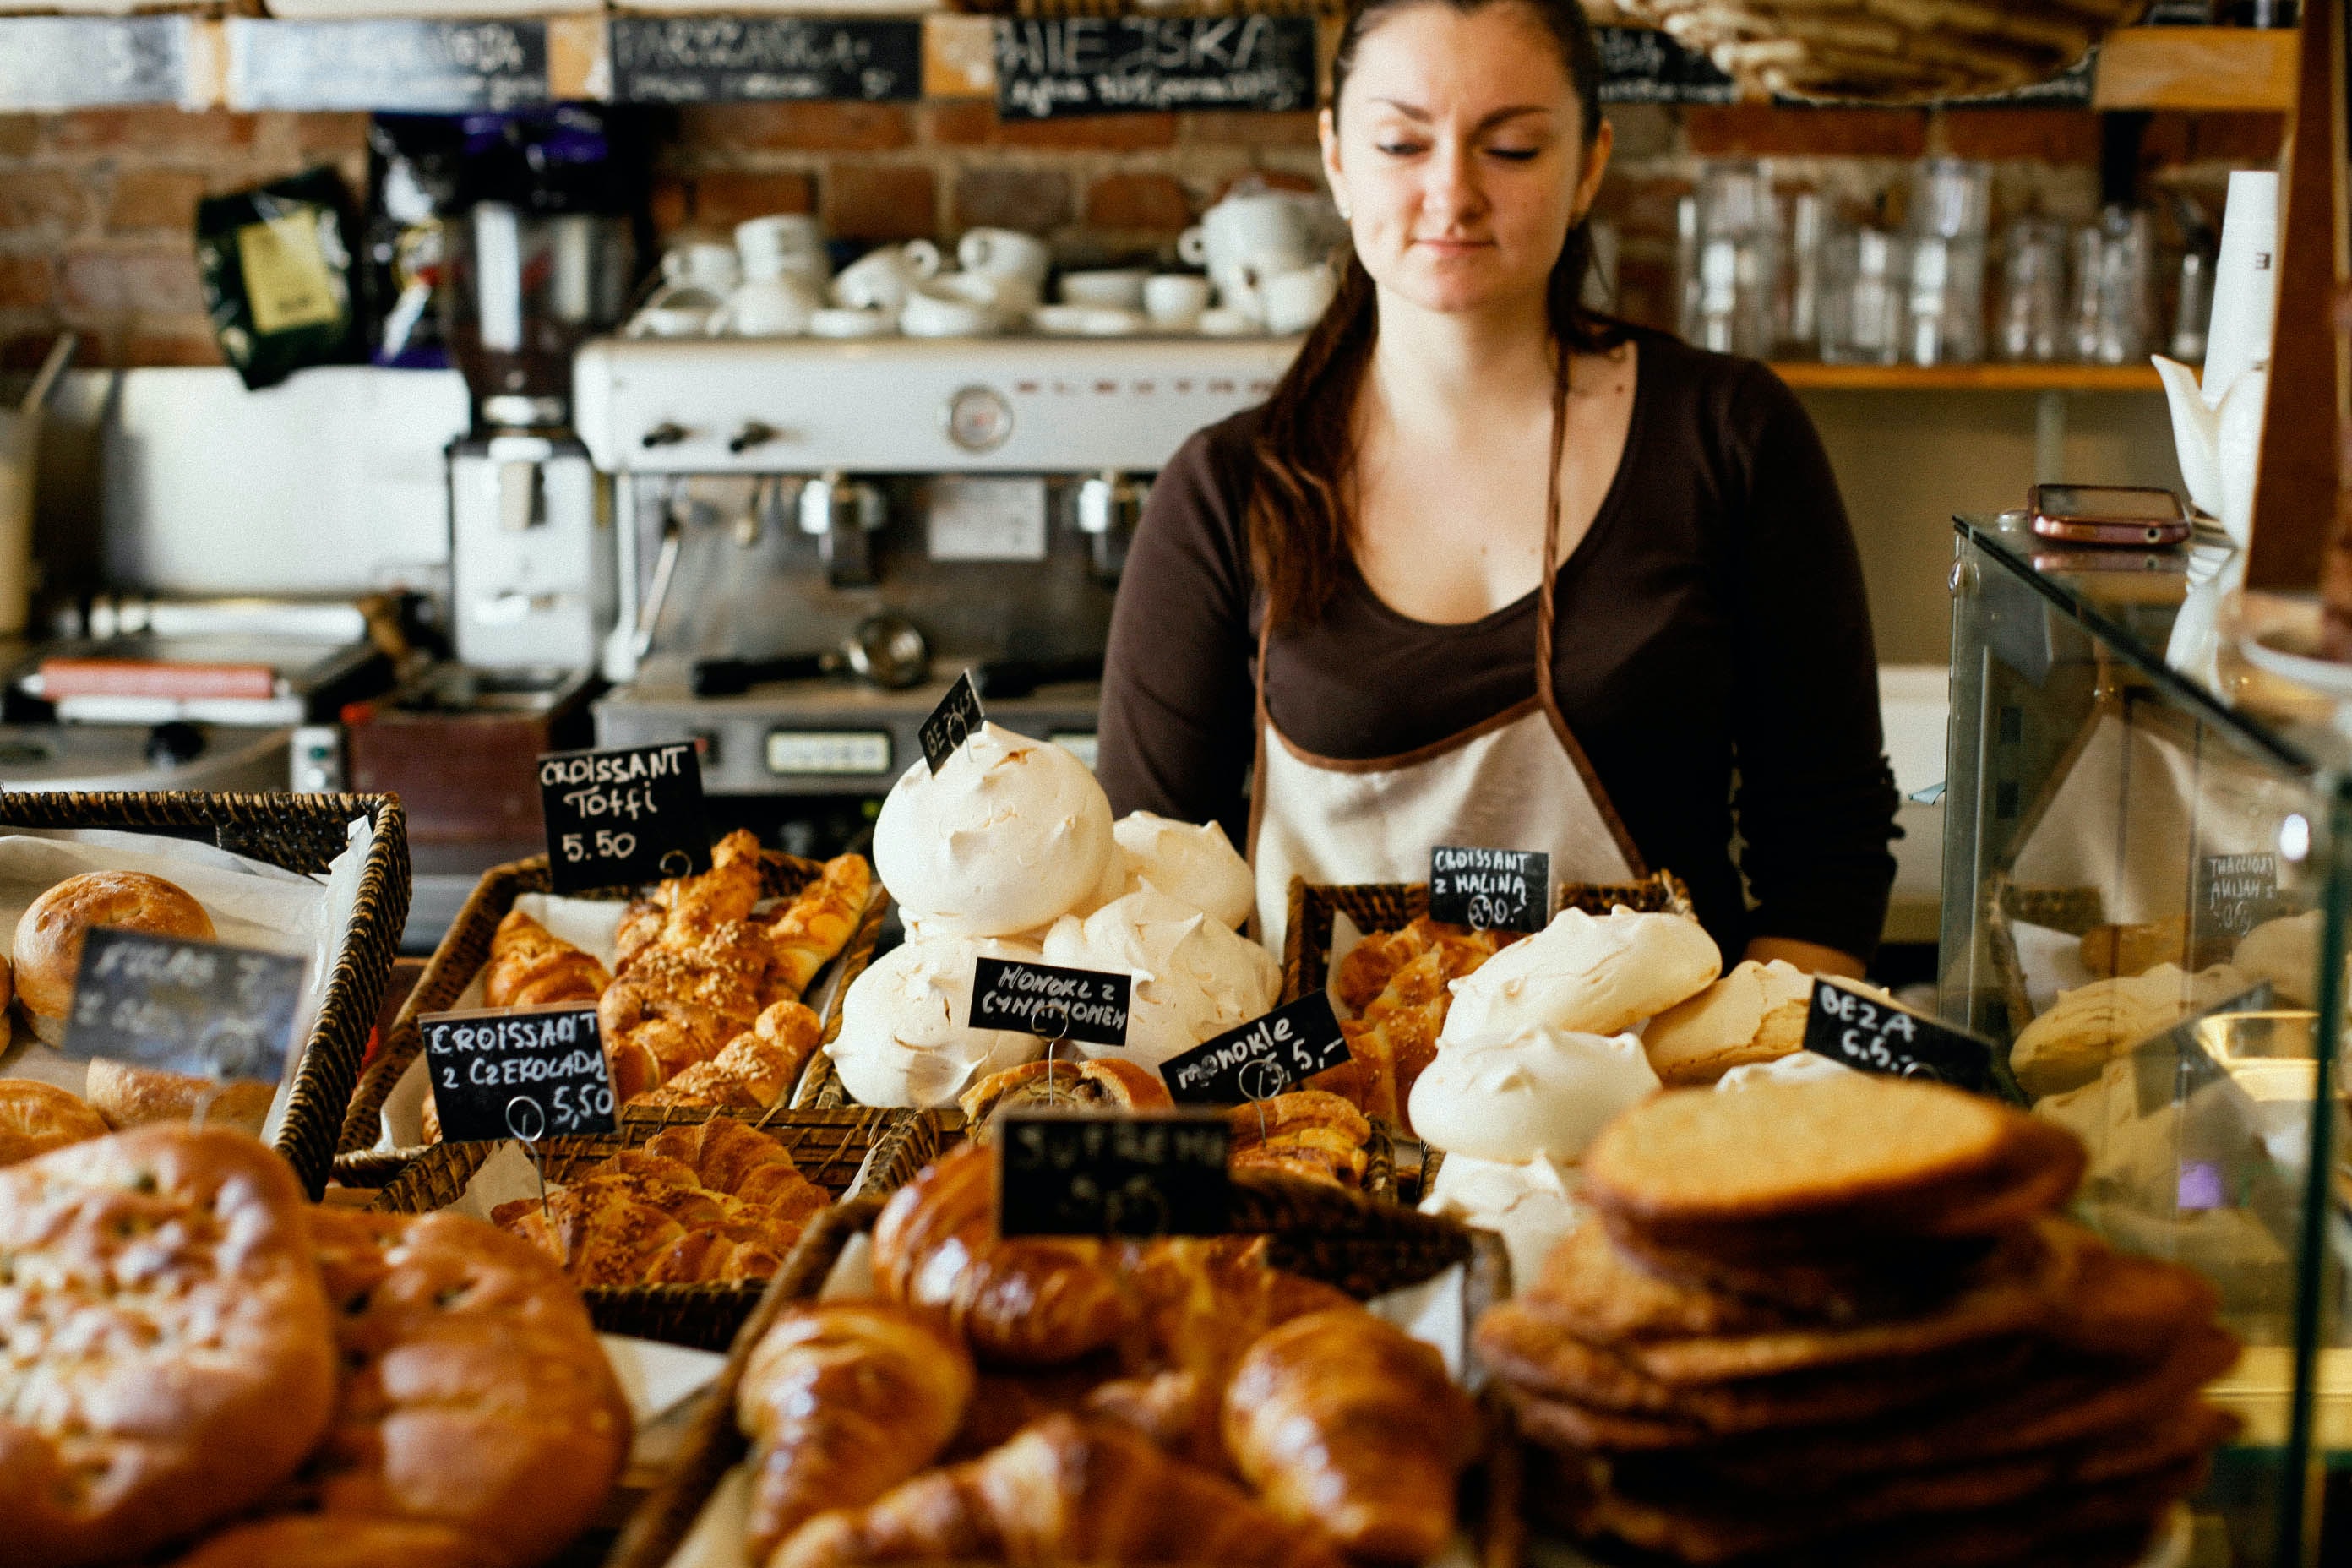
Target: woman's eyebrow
(1414,112)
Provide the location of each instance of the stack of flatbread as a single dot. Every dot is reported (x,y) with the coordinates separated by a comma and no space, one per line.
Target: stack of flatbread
(1839,1322)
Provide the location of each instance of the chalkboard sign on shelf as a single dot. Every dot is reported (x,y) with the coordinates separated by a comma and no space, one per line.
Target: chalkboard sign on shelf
(1490,890)
(195,1007)
(742,58)
(1876,1035)
(524,1072)
(1640,65)
(1061,1174)
(1086,1004)
(413,64)
(90,62)
(622,816)
(1260,1059)
(1137,64)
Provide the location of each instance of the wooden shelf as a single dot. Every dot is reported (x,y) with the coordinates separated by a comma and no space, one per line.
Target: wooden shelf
(2198,68)
(1807,376)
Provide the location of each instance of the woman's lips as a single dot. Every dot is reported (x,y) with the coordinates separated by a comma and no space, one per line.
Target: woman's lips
(1455,247)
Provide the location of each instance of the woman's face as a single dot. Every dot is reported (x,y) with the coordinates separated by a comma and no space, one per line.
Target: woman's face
(1456,152)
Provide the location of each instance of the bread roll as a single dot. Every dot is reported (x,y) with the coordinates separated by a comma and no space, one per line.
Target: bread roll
(47,953)
(36,1118)
(128,1095)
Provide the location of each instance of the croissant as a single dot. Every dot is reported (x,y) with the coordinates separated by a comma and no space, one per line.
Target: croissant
(1344,1419)
(1106,1085)
(603,1231)
(530,966)
(1305,1132)
(1064,1490)
(727,1252)
(1395,1039)
(756,1069)
(725,1157)
(698,905)
(678,1006)
(819,922)
(1031,1300)
(842,1401)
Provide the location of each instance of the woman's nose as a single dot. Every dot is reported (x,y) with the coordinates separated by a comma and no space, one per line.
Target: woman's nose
(1451,191)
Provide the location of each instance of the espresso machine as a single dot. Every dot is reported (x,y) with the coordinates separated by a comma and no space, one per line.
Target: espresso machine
(816,536)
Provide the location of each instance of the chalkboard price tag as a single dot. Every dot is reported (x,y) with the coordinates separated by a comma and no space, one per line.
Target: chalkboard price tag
(194,1007)
(1490,890)
(1260,1059)
(1137,64)
(1641,64)
(735,59)
(956,719)
(2235,893)
(1087,1004)
(1878,1036)
(623,816)
(521,1072)
(421,65)
(1064,1175)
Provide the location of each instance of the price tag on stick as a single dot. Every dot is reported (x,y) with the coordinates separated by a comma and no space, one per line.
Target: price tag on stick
(1089,1005)
(1490,890)
(194,1007)
(1065,1174)
(1260,1059)
(623,816)
(955,721)
(524,1072)
(1882,1037)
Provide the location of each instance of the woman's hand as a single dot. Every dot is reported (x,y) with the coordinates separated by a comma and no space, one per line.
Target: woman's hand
(1810,956)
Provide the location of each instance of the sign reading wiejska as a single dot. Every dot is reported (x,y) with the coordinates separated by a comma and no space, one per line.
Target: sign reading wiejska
(1089,1005)
(1060,1173)
(1882,1037)
(522,1072)
(619,817)
(1490,890)
(194,1007)
(1129,65)
(1260,1059)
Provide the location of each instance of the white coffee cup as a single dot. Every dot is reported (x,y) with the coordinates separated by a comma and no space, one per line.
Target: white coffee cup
(1119,287)
(1088,322)
(1007,296)
(1006,252)
(782,245)
(1295,300)
(843,321)
(883,277)
(766,308)
(703,263)
(1174,300)
(1273,229)
(675,310)
(934,310)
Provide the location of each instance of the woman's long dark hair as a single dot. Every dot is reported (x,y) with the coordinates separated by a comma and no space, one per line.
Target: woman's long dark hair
(1299,533)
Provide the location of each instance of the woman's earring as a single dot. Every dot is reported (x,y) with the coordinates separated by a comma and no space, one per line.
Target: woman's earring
(1344,214)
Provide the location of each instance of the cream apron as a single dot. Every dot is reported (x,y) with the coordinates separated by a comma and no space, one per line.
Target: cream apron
(1517,781)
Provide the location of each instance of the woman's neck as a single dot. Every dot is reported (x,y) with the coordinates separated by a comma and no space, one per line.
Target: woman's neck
(1442,368)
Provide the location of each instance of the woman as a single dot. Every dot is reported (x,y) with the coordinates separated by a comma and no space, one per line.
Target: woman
(1490,570)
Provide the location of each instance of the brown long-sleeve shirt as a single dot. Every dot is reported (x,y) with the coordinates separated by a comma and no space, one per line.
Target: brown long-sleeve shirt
(1713,656)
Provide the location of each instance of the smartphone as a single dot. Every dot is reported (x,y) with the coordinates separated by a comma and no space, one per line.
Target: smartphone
(2108,514)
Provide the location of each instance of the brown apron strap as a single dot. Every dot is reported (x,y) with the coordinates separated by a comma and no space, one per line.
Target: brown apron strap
(1545,590)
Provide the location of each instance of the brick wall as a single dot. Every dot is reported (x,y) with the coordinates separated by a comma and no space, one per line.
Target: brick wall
(96,208)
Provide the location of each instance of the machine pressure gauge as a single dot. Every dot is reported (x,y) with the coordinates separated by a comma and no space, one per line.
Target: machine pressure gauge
(979,419)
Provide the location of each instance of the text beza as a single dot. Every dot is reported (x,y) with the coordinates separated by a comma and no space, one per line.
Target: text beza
(604,783)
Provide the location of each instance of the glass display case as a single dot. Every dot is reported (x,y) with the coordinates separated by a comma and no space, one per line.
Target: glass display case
(2148,876)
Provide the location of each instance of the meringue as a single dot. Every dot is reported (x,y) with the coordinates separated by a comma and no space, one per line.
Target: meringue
(1193,977)
(1009,835)
(1753,1014)
(1193,865)
(1798,1067)
(903,1039)
(1541,1093)
(1532,1204)
(1586,974)
(2285,952)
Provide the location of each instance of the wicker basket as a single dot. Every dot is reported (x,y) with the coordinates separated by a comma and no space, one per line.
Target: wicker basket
(466,947)
(1387,906)
(300,833)
(849,1153)
(1897,51)
(1363,1248)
